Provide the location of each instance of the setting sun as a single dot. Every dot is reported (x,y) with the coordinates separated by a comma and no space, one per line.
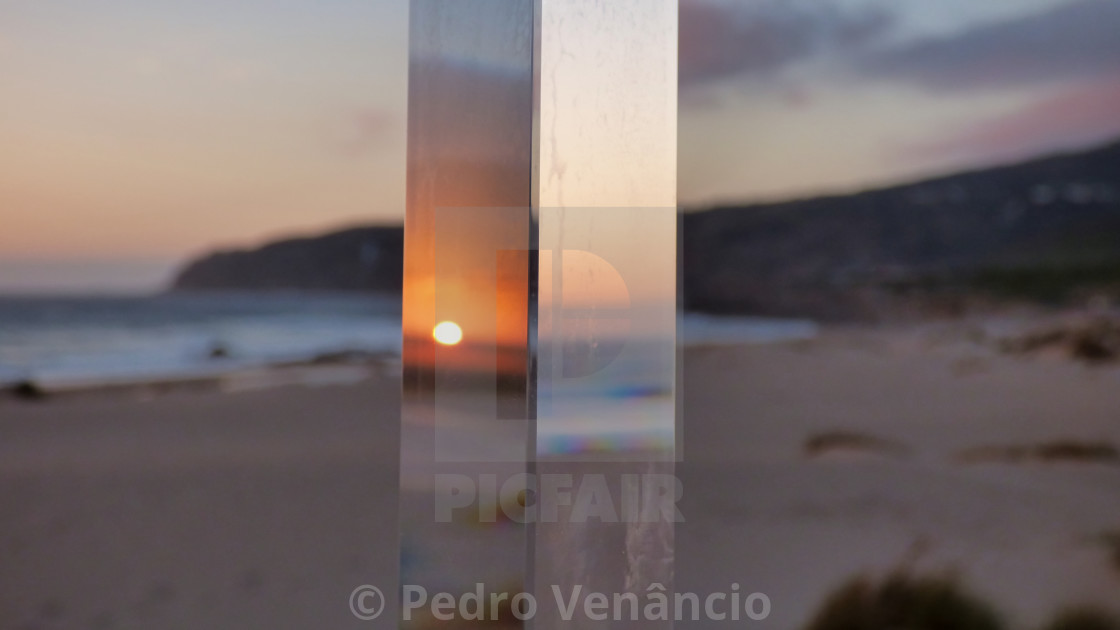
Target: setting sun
(447,333)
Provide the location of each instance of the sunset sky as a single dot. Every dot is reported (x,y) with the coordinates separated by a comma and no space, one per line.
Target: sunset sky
(135,133)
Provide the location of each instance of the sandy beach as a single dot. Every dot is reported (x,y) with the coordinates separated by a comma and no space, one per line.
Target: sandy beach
(806,463)
(260,509)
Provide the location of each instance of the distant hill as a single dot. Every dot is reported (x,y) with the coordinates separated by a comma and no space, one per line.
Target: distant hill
(1044,230)
(357,259)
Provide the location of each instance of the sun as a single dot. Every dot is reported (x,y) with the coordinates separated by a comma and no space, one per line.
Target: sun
(447,333)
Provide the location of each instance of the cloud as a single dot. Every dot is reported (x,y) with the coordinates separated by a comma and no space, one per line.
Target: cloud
(1073,118)
(1076,40)
(760,39)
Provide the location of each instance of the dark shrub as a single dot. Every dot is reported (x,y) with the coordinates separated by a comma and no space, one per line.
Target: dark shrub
(905,601)
(1083,618)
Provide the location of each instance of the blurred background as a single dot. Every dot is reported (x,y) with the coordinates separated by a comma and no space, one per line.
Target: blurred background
(901,243)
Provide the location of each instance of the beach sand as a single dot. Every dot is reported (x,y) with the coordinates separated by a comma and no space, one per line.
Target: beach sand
(198,510)
(805,463)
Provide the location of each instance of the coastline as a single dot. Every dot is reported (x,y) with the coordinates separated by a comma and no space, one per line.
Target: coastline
(338,368)
(346,362)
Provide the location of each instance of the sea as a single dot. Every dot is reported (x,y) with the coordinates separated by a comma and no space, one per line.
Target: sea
(88,340)
(61,341)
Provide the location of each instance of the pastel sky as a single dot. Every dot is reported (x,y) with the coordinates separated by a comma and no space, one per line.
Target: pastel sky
(135,133)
